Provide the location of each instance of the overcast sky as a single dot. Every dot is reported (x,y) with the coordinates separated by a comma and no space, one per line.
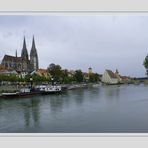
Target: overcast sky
(79,42)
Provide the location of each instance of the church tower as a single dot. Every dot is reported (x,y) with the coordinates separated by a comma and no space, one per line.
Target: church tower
(24,56)
(24,53)
(34,57)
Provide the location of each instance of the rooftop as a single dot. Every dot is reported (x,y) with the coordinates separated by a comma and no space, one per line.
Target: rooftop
(111,74)
(12,58)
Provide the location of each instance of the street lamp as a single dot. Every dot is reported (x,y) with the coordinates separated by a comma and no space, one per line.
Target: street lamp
(31,82)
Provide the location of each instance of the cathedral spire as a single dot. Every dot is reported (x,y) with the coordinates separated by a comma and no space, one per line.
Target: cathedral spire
(33,43)
(24,43)
(24,53)
(34,56)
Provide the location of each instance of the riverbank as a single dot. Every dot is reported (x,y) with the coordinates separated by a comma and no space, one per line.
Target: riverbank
(14,88)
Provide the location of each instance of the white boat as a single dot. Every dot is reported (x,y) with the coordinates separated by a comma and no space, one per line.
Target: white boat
(49,89)
(75,86)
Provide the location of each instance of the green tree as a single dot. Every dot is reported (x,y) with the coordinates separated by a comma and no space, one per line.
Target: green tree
(79,76)
(145,63)
(36,78)
(9,77)
(55,71)
(94,77)
(27,78)
(67,77)
(64,76)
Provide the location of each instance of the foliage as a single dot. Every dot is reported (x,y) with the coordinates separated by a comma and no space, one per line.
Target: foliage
(94,77)
(10,77)
(16,78)
(145,63)
(79,76)
(55,71)
(36,78)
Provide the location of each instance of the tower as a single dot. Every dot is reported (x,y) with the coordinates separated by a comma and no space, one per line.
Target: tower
(24,53)
(90,70)
(34,57)
(24,56)
(118,75)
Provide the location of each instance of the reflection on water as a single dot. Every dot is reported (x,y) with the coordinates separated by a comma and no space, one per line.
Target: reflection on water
(78,97)
(101,109)
(32,112)
(111,91)
(56,103)
(27,117)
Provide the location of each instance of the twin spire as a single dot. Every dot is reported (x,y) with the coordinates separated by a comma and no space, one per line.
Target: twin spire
(24,53)
(33,43)
(32,63)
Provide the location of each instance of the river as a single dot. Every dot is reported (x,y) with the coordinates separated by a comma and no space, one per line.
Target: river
(102,109)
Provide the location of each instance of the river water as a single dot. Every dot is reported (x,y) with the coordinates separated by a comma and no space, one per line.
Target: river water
(102,109)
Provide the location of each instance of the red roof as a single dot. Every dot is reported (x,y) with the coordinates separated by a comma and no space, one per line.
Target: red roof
(2,67)
(111,74)
(42,70)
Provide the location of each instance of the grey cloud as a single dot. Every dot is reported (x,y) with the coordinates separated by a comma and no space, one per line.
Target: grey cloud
(99,41)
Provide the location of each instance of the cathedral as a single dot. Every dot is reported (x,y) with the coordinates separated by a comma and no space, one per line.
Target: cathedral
(23,63)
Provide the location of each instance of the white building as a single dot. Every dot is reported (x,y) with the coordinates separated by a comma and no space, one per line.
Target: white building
(109,77)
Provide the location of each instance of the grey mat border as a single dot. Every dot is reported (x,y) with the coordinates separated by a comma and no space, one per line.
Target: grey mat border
(19,135)
(73,135)
(75,11)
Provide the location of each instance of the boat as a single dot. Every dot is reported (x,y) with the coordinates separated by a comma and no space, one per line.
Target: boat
(24,92)
(28,92)
(76,86)
(49,89)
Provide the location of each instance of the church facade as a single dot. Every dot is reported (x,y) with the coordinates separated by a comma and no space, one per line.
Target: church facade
(24,63)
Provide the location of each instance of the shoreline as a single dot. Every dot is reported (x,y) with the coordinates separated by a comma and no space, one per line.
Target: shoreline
(14,88)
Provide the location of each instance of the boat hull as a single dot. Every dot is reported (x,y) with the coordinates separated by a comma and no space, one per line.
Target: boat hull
(50,92)
(18,95)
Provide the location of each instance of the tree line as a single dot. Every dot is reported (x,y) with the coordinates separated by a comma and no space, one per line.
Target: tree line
(57,74)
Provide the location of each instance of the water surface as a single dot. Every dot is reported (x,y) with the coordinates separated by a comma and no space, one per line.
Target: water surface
(111,109)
